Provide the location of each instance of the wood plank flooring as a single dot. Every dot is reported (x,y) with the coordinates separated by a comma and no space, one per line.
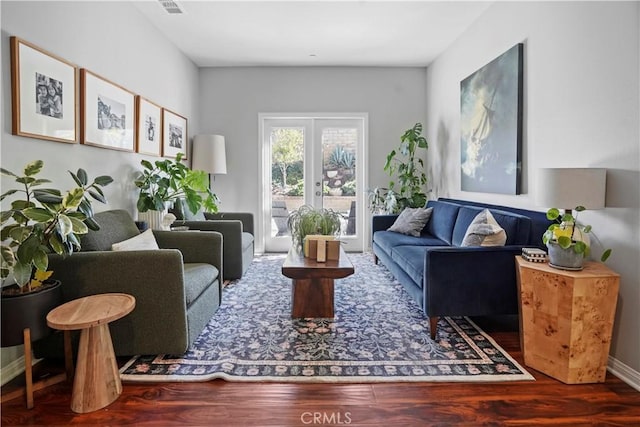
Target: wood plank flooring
(219,403)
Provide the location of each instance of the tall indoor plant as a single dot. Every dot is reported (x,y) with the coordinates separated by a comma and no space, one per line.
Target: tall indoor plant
(406,169)
(42,221)
(166,181)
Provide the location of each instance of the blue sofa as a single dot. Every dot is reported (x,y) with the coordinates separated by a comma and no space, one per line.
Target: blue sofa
(447,279)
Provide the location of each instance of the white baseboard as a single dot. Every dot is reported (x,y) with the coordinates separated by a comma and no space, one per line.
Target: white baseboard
(12,370)
(624,372)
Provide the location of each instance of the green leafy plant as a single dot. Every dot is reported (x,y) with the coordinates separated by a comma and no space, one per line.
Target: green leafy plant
(341,158)
(308,220)
(568,233)
(45,220)
(349,188)
(166,181)
(406,190)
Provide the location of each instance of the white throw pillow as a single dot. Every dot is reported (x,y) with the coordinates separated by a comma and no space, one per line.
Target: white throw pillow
(411,221)
(140,242)
(484,230)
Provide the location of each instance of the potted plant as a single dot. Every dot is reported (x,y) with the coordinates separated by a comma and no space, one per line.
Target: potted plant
(407,189)
(164,182)
(43,221)
(568,241)
(308,220)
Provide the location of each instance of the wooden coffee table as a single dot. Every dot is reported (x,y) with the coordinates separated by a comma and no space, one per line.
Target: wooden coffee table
(97,380)
(312,285)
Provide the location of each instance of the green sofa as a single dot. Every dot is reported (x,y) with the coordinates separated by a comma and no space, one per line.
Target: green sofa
(177,288)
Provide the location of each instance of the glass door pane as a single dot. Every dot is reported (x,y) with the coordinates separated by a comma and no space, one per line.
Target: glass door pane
(287,175)
(339,173)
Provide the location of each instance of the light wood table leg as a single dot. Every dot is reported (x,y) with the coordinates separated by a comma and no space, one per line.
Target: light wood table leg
(28,368)
(31,386)
(97,380)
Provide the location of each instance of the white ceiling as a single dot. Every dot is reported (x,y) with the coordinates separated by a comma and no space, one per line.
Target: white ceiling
(314,33)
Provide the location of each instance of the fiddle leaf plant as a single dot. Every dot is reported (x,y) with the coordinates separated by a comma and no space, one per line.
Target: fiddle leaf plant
(166,181)
(44,220)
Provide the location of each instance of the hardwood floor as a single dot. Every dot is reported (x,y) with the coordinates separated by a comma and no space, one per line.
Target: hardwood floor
(219,403)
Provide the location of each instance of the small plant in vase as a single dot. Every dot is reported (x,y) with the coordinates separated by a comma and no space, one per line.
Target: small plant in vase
(308,220)
(164,182)
(568,241)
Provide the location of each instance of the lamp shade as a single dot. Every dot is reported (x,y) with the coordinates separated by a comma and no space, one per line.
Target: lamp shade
(209,154)
(567,188)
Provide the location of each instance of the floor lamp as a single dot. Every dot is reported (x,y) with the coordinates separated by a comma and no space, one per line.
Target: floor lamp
(209,155)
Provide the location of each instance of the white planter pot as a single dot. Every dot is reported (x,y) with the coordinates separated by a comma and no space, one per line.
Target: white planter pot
(153,218)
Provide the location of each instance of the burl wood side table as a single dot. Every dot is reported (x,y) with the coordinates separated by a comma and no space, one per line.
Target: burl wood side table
(566,319)
(312,287)
(97,381)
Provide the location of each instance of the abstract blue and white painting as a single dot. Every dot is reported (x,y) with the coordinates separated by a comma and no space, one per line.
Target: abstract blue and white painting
(491,125)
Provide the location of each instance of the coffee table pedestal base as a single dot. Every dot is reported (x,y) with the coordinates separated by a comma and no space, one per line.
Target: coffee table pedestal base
(312,298)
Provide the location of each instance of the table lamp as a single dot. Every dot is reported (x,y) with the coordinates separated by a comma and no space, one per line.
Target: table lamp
(568,188)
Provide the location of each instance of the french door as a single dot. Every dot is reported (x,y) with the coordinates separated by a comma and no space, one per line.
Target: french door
(316,160)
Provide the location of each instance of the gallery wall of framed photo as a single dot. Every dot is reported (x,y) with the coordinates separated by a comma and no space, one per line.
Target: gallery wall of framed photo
(44,99)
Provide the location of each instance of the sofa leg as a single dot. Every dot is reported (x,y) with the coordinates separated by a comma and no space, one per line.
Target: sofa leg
(433,325)
(375,259)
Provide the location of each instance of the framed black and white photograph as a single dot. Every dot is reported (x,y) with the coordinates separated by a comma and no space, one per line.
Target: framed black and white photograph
(149,131)
(108,113)
(174,134)
(43,89)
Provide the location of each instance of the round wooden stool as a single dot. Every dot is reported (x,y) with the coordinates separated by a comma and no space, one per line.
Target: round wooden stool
(97,380)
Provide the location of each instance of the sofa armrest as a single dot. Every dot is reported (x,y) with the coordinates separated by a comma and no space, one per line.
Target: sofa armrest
(154,277)
(245,217)
(195,247)
(470,281)
(382,222)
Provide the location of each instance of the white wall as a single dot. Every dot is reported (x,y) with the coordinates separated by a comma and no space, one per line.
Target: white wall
(232,98)
(581,109)
(115,41)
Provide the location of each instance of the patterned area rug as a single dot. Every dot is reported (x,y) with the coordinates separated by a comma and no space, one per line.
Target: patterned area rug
(378,334)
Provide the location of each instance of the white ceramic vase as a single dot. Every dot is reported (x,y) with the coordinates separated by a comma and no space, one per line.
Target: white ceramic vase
(153,218)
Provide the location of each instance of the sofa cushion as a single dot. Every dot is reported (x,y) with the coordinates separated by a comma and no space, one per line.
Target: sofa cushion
(115,226)
(247,240)
(442,220)
(515,225)
(411,221)
(197,277)
(183,213)
(143,241)
(387,240)
(411,260)
(484,231)
(539,221)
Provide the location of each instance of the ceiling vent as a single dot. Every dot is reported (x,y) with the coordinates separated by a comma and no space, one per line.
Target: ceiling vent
(172,7)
